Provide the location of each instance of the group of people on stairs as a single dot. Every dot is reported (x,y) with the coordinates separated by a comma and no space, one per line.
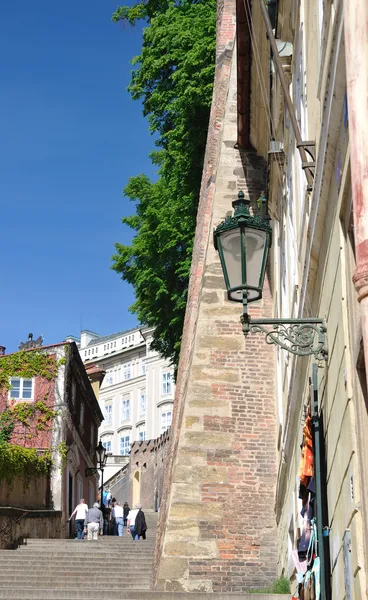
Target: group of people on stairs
(104,520)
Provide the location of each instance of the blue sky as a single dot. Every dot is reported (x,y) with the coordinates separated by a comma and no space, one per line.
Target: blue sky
(70,138)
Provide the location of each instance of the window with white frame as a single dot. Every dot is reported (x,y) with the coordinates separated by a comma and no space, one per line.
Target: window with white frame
(166,419)
(166,383)
(109,378)
(108,413)
(21,388)
(143,366)
(125,409)
(142,403)
(125,443)
(141,433)
(107,444)
(127,371)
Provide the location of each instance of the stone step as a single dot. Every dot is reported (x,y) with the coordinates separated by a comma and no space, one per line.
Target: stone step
(66,582)
(64,587)
(71,569)
(128,554)
(97,594)
(92,546)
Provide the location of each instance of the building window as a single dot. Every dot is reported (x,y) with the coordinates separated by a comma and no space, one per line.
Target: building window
(166,419)
(109,378)
(125,410)
(142,403)
(92,436)
(21,389)
(114,344)
(127,371)
(125,444)
(143,367)
(81,417)
(166,383)
(107,445)
(85,353)
(104,346)
(108,414)
(141,434)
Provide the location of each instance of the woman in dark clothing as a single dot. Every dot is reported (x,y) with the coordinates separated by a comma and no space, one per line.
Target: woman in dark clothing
(140,526)
(126,512)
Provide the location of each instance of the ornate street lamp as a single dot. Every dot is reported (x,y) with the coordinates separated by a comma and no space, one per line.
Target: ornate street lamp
(101,455)
(243,242)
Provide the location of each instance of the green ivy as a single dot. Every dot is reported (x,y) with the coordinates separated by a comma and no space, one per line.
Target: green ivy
(16,461)
(63,451)
(31,415)
(26,364)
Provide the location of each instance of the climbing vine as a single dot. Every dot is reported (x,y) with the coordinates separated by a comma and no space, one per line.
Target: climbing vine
(63,451)
(26,364)
(16,461)
(23,421)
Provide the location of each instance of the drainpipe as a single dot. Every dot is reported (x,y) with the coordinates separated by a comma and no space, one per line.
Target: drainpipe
(356,54)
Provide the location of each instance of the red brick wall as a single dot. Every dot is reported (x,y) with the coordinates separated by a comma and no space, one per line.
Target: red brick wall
(30,437)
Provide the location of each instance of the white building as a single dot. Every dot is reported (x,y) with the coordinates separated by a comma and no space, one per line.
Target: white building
(137,393)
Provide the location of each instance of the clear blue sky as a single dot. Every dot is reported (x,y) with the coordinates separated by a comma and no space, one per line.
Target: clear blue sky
(70,138)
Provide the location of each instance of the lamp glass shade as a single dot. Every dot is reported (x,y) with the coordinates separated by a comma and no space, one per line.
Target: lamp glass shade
(230,243)
(255,245)
(243,254)
(101,453)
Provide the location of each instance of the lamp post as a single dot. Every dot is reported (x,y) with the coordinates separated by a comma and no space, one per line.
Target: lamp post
(243,242)
(101,459)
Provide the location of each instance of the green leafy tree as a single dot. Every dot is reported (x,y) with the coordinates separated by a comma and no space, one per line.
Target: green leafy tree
(174,79)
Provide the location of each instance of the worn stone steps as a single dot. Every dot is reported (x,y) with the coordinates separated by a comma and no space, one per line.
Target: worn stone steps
(98,593)
(66,583)
(62,569)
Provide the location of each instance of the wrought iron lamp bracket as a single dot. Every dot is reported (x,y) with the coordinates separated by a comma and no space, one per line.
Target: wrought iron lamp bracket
(302,337)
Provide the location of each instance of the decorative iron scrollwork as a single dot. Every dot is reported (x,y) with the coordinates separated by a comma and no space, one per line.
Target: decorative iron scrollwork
(302,337)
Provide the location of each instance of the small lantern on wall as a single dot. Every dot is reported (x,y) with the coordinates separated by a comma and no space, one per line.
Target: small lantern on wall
(243,242)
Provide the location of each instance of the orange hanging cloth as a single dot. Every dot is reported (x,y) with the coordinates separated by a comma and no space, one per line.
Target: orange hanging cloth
(306,468)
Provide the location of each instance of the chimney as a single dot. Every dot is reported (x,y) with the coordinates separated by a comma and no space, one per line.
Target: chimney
(2,350)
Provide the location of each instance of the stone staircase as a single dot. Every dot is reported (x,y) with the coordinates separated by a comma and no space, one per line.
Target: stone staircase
(72,569)
(112,568)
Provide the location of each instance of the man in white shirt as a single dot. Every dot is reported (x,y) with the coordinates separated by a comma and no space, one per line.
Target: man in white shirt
(118,514)
(80,512)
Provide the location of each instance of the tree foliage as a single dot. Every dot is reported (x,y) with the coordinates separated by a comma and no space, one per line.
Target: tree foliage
(174,79)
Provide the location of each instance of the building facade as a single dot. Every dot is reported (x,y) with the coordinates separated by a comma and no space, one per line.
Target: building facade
(61,416)
(313,265)
(137,393)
